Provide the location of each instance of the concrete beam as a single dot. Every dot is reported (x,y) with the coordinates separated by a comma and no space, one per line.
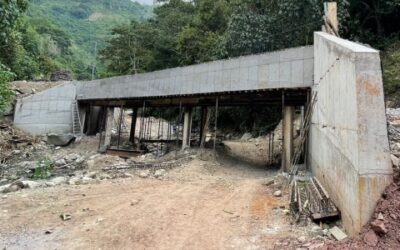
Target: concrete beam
(289,68)
(287,132)
(187,127)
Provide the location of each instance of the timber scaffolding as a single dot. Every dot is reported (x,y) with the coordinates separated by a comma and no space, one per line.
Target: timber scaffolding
(170,132)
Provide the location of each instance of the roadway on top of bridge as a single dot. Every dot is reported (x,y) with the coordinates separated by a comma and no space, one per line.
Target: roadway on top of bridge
(285,69)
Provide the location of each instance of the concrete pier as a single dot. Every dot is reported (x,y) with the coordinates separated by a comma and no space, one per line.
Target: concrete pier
(109,125)
(187,127)
(287,132)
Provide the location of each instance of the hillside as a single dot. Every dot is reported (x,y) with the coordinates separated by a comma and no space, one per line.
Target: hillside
(86,22)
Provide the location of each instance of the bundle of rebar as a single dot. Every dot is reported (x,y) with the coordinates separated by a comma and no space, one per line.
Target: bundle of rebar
(310,199)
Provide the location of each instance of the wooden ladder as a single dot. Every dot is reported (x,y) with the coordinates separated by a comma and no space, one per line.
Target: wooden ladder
(76,121)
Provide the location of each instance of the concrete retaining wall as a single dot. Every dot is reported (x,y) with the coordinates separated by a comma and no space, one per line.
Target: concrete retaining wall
(290,68)
(49,111)
(348,148)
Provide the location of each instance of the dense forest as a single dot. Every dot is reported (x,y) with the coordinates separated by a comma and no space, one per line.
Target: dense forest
(38,37)
(188,32)
(41,36)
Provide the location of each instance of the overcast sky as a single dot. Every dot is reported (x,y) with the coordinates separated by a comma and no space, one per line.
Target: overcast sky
(144,1)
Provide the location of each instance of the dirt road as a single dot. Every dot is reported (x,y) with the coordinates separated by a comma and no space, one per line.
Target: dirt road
(200,205)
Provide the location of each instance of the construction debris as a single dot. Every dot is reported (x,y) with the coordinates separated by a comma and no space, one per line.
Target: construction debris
(337,233)
(310,199)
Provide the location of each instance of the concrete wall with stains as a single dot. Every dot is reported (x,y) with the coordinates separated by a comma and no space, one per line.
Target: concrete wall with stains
(348,145)
(49,111)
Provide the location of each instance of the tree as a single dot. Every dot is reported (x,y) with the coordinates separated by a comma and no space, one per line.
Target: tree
(5,92)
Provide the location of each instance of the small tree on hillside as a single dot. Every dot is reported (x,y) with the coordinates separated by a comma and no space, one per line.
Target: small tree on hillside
(5,91)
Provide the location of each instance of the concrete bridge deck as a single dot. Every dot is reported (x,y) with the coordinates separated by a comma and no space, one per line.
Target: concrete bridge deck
(286,69)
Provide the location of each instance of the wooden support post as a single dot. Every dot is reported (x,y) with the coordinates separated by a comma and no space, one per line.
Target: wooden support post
(133,125)
(203,123)
(331,24)
(121,117)
(216,125)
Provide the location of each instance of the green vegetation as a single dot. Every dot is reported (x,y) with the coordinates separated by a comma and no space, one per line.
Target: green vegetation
(38,37)
(391,73)
(188,32)
(6,93)
(43,169)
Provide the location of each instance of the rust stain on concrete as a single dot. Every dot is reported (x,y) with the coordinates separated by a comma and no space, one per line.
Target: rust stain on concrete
(368,87)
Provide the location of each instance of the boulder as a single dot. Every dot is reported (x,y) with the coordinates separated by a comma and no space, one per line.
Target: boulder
(80,160)
(60,162)
(71,157)
(57,181)
(92,175)
(32,184)
(86,180)
(246,137)
(144,174)
(60,139)
(74,181)
(160,173)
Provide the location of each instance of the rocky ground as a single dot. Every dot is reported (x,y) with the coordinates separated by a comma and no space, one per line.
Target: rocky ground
(75,198)
(200,203)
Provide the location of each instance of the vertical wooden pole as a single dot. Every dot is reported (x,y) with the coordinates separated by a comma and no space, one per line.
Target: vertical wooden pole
(133,125)
(216,127)
(331,19)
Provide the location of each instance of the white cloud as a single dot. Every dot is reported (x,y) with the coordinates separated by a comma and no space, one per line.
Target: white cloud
(148,2)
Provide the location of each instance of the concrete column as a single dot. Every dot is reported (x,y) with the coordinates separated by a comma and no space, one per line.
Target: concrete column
(187,127)
(109,124)
(133,125)
(287,132)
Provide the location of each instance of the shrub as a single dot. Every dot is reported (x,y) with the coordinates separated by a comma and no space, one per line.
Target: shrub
(43,169)
(6,93)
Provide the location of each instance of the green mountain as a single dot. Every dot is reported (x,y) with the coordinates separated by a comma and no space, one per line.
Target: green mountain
(86,23)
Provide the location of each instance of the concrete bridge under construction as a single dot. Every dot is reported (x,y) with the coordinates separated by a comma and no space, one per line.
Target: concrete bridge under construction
(347,146)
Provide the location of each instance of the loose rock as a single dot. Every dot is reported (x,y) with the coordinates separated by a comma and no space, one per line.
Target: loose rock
(60,162)
(268,182)
(370,238)
(160,173)
(71,157)
(74,181)
(32,184)
(246,137)
(144,174)
(378,226)
(278,193)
